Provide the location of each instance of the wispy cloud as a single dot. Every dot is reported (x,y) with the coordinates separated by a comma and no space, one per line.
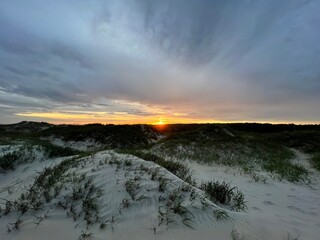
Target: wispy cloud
(184,60)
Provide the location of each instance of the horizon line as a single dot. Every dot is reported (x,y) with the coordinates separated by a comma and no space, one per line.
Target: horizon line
(171,123)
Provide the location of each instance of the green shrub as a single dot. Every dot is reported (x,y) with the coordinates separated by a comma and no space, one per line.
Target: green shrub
(54,151)
(223,193)
(8,160)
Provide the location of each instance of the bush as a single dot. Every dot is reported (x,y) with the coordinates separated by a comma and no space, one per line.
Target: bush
(54,151)
(8,160)
(223,193)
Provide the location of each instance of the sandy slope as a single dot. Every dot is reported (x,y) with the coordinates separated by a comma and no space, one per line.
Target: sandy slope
(275,209)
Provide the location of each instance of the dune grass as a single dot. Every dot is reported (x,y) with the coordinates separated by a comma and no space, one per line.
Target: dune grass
(58,186)
(54,151)
(223,193)
(215,144)
(315,160)
(26,153)
(8,161)
(250,146)
(177,168)
(112,136)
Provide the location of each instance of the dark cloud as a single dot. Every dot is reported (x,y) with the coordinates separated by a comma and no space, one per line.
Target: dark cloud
(222,59)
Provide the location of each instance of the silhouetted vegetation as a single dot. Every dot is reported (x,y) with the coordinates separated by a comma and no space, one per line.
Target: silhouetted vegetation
(243,144)
(113,136)
(307,141)
(271,128)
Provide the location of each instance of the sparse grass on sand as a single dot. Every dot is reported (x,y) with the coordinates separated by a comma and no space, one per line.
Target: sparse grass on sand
(48,187)
(177,168)
(26,153)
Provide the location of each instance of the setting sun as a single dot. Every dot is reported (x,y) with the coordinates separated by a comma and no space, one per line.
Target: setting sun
(160,122)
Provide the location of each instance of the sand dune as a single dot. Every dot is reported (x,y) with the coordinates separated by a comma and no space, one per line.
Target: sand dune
(129,204)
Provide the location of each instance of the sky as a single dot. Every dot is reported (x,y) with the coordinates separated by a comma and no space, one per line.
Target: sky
(168,61)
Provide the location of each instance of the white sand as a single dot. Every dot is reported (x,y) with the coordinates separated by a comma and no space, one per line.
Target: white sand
(275,209)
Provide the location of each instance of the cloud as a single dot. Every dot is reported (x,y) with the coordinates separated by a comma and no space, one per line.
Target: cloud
(219,60)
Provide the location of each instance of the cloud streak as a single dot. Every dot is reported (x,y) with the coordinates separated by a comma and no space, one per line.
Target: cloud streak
(205,60)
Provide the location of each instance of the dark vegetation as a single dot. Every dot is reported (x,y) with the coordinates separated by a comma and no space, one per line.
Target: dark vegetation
(112,136)
(8,160)
(24,127)
(248,145)
(315,160)
(223,193)
(54,151)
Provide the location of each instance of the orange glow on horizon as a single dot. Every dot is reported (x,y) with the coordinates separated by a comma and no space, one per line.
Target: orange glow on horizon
(161,124)
(160,121)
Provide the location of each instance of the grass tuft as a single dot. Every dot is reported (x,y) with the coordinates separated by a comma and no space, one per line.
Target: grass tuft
(223,193)
(220,214)
(315,160)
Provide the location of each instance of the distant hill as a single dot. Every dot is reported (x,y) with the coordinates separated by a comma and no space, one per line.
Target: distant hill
(25,126)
